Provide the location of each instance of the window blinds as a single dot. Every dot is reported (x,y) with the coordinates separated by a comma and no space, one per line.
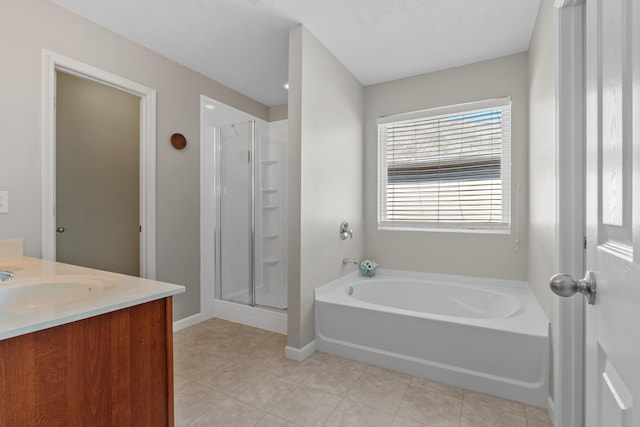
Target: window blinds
(447,168)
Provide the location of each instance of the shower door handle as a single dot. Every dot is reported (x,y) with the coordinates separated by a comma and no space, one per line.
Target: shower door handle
(565,286)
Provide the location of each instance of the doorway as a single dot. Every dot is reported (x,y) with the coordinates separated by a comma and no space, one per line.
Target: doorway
(53,63)
(97,175)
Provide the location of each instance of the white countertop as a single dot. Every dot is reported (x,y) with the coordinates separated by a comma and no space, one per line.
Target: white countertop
(125,291)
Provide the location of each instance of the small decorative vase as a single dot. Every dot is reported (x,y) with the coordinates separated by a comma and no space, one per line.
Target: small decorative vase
(367,272)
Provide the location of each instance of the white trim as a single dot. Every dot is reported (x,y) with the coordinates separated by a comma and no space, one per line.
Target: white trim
(551,409)
(467,107)
(48,156)
(207,212)
(299,354)
(148,184)
(186,322)
(52,62)
(271,320)
(568,313)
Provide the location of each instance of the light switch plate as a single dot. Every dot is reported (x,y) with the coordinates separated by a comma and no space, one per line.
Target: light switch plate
(4,202)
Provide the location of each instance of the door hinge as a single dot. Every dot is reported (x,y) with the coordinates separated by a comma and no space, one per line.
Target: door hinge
(140,228)
(249,156)
(585,242)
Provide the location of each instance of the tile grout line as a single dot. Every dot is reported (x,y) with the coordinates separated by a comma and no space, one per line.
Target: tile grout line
(341,397)
(395,415)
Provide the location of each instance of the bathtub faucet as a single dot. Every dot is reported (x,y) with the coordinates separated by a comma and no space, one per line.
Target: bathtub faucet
(346,261)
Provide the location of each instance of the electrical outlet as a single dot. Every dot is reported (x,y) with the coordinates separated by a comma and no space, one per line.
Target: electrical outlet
(4,202)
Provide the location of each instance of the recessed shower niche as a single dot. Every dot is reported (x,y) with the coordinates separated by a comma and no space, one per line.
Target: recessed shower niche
(243,207)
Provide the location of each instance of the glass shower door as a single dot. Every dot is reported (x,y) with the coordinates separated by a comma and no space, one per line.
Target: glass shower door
(236,222)
(251,227)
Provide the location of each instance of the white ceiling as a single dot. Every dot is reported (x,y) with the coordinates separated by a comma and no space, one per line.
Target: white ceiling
(243,44)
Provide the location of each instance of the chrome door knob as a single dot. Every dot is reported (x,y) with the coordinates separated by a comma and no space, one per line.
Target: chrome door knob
(565,285)
(60,229)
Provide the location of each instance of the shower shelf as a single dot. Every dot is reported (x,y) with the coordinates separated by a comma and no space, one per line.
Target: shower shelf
(270,190)
(270,236)
(269,162)
(270,207)
(270,261)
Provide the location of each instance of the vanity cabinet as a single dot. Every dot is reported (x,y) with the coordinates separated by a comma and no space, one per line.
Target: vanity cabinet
(113,369)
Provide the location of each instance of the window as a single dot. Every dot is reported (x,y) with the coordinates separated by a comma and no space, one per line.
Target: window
(446,168)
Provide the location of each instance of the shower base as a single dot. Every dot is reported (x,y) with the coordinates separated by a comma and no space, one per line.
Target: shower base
(267,296)
(258,317)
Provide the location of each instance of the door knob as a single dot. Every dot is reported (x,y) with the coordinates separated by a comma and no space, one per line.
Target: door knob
(60,229)
(565,285)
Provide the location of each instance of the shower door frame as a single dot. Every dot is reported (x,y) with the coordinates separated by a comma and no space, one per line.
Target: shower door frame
(252,216)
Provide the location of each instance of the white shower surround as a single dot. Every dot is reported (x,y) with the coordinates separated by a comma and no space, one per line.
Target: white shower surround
(487,335)
(256,316)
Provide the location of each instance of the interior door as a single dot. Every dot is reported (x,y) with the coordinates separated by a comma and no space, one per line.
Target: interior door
(97,175)
(613,212)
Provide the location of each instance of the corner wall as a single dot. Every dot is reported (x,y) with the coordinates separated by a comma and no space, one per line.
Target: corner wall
(474,254)
(542,155)
(27,27)
(325,175)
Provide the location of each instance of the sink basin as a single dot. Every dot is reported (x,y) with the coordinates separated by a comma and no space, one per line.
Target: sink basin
(29,294)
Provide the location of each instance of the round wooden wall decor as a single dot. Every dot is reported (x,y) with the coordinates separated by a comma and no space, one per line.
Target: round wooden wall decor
(178,141)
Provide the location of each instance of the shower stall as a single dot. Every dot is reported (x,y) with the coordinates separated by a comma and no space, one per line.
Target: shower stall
(250,228)
(243,182)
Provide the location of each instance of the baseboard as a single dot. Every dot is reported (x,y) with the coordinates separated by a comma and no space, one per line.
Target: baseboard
(186,322)
(257,317)
(207,309)
(299,354)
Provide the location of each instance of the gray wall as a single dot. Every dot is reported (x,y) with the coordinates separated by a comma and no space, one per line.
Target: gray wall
(476,254)
(325,175)
(28,26)
(542,155)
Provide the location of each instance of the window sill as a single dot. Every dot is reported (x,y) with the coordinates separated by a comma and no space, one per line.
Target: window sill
(446,229)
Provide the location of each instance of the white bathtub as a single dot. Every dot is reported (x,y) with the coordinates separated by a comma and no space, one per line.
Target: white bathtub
(487,335)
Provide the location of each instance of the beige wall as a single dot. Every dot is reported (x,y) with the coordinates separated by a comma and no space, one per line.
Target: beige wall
(326,119)
(542,155)
(28,26)
(325,175)
(487,255)
(278,112)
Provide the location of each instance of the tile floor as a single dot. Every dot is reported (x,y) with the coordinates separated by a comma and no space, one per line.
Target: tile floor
(228,374)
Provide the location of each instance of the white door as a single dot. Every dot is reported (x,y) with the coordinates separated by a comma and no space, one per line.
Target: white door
(613,212)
